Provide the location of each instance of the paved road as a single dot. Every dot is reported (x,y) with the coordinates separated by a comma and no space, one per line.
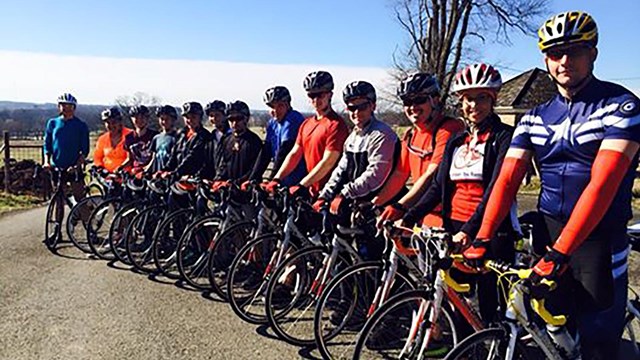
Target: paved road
(55,307)
(71,307)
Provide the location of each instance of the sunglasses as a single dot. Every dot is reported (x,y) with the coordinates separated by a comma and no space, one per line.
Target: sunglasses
(315,95)
(417,100)
(354,108)
(571,52)
(235,118)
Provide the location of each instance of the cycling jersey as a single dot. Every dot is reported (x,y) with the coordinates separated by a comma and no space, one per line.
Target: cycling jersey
(65,140)
(370,155)
(318,134)
(139,147)
(189,154)
(238,155)
(162,146)
(108,156)
(565,136)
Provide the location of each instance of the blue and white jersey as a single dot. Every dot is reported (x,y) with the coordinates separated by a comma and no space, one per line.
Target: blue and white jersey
(286,130)
(566,136)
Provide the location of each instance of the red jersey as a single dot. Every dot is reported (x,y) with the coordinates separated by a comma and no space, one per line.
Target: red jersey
(466,173)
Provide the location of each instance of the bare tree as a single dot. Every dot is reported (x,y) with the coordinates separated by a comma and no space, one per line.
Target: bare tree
(138,98)
(442,32)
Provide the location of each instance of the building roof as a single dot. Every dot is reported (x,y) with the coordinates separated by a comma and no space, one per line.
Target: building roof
(527,90)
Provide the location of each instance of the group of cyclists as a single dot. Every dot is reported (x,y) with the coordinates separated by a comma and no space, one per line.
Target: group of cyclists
(465,173)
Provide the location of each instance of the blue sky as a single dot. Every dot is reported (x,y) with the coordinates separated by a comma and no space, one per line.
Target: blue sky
(275,40)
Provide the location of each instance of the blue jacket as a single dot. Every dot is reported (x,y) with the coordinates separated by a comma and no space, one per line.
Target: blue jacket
(64,141)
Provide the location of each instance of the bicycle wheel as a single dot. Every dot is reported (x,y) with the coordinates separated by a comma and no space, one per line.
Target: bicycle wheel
(98,230)
(139,237)
(225,248)
(165,241)
(631,333)
(394,331)
(79,218)
(293,292)
(53,223)
(194,248)
(489,344)
(249,274)
(345,304)
(117,230)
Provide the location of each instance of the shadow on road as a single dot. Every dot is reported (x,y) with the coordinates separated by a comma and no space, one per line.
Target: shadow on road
(68,251)
(160,279)
(181,284)
(209,296)
(116,264)
(307,353)
(264,331)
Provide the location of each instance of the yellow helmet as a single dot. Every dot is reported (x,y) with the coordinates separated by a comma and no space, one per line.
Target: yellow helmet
(568,28)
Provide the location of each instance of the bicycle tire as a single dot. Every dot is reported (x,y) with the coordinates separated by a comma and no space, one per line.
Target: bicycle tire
(76,226)
(290,309)
(53,226)
(118,228)
(248,277)
(631,334)
(98,228)
(165,241)
(473,347)
(379,339)
(338,318)
(139,235)
(194,248)
(224,250)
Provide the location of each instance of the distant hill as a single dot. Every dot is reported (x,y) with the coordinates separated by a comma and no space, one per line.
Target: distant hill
(14,105)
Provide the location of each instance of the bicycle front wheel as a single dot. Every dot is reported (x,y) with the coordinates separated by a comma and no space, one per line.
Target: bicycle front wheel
(194,249)
(489,344)
(139,236)
(98,228)
(53,223)
(78,220)
(166,239)
(400,329)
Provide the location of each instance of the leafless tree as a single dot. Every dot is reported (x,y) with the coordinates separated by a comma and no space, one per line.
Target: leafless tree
(138,98)
(442,32)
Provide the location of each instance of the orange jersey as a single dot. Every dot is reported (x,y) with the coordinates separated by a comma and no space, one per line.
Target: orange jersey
(317,135)
(107,156)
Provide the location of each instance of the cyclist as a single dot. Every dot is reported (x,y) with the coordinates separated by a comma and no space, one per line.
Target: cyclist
(216,112)
(109,152)
(282,131)
(240,150)
(162,144)
(320,139)
(422,146)
(370,154)
(138,142)
(470,165)
(66,142)
(586,141)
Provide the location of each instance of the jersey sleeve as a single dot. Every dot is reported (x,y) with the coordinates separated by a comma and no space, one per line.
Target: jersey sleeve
(48,138)
(621,122)
(442,136)
(528,132)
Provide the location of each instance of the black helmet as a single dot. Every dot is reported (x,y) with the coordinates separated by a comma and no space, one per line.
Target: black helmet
(418,84)
(358,89)
(275,94)
(215,105)
(167,110)
(318,81)
(111,113)
(192,107)
(238,108)
(138,110)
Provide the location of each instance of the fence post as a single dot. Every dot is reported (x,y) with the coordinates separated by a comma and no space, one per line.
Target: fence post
(7,157)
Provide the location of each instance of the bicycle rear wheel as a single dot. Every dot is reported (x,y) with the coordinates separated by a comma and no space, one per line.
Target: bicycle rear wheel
(118,228)
(79,218)
(345,304)
(194,248)
(53,222)
(139,237)
(99,225)
(489,344)
(166,239)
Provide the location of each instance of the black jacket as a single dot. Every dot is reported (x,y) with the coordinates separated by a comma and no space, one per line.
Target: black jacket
(237,156)
(189,154)
(441,189)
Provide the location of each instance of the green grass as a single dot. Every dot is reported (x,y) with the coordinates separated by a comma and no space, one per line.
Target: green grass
(10,202)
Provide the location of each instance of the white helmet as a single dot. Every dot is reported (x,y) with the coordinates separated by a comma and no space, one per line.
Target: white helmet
(67,98)
(477,76)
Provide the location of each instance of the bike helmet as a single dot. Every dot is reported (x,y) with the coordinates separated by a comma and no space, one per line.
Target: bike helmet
(276,94)
(318,81)
(192,107)
(138,110)
(67,98)
(358,89)
(215,105)
(167,110)
(111,113)
(477,76)
(238,108)
(417,84)
(569,27)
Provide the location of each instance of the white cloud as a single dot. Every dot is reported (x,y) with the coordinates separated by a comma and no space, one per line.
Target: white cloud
(38,77)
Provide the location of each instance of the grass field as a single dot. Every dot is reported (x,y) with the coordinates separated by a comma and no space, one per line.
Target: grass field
(13,202)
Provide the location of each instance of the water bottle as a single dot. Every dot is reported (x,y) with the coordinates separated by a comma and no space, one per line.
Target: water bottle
(565,341)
